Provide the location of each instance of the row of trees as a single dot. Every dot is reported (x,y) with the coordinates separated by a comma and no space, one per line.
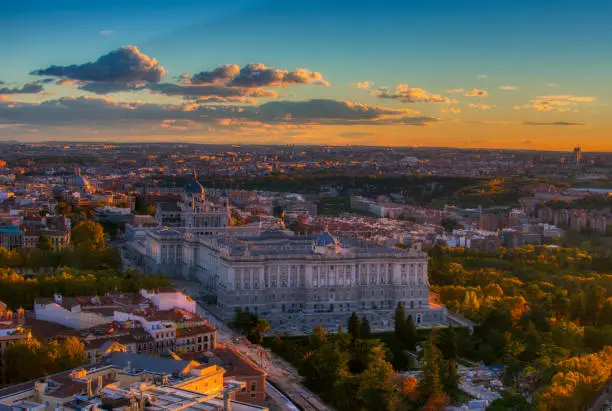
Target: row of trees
(250,325)
(88,251)
(536,308)
(27,359)
(353,371)
(19,291)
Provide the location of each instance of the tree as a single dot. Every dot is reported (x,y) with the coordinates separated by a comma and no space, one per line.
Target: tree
(88,235)
(258,331)
(450,377)
(436,402)
(63,208)
(449,224)
(430,382)
(44,243)
(410,337)
(324,368)
(448,343)
(365,330)
(150,209)
(354,326)
(399,319)
(24,360)
(361,354)
(376,390)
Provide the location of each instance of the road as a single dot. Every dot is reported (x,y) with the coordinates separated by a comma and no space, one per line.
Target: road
(279,371)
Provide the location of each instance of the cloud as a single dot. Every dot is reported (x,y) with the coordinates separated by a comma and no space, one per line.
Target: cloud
(220,74)
(226,100)
(560,103)
(68,82)
(258,75)
(107,88)
(106,32)
(323,109)
(364,85)
(354,134)
(508,88)
(44,81)
(483,76)
(480,106)
(220,91)
(455,91)
(109,114)
(180,125)
(124,65)
(547,105)
(569,97)
(554,123)
(29,88)
(450,110)
(551,85)
(476,93)
(407,94)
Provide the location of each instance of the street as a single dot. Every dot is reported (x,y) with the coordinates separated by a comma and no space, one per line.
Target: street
(279,371)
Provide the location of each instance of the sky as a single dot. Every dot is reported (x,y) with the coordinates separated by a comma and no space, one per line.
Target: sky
(499,74)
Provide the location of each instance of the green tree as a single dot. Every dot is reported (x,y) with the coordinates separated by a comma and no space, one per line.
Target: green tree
(376,389)
(430,382)
(88,235)
(361,354)
(365,331)
(449,224)
(44,243)
(399,318)
(450,377)
(258,331)
(324,368)
(410,337)
(448,343)
(63,208)
(24,360)
(354,326)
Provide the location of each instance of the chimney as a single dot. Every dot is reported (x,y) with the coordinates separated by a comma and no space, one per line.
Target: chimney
(100,383)
(40,387)
(227,402)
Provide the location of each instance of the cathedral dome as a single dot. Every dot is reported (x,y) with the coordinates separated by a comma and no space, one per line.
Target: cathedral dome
(79,181)
(326,239)
(194,186)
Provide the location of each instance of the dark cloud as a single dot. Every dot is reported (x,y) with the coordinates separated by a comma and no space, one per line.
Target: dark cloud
(221,74)
(44,81)
(323,109)
(258,75)
(29,88)
(107,88)
(554,123)
(123,65)
(105,113)
(355,134)
(221,91)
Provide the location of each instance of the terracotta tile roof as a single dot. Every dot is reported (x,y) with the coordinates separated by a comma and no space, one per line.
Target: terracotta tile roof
(188,332)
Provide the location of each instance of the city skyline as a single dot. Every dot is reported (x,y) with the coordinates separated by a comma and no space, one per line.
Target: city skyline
(520,75)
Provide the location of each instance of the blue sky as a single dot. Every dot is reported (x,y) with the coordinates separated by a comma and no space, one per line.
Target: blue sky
(431,45)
